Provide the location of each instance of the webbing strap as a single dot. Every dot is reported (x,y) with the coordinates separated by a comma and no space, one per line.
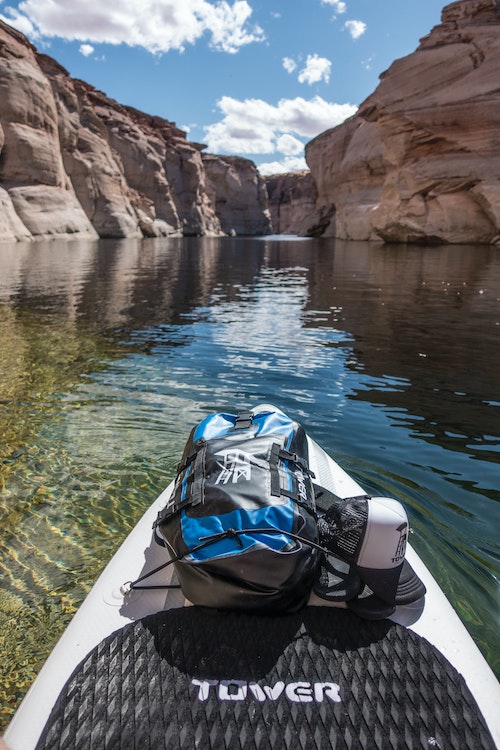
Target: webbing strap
(182,466)
(281,454)
(166,515)
(243,420)
(194,489)
(273,466)
(297,460)
(197,495)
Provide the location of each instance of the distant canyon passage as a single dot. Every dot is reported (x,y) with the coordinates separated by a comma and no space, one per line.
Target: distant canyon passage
(419,162)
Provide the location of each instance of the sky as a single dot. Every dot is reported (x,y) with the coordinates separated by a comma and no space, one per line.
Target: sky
(254,78)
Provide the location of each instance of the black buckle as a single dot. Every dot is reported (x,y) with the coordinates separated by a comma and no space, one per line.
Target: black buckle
(244,420)
(297,460)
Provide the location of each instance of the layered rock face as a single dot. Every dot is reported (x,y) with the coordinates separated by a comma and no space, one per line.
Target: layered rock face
(36,194)
(75,163)
(292,203)
(238,193)
(420,161)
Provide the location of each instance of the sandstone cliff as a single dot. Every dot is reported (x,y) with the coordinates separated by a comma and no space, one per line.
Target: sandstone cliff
(292,203)
(75,162)
(420,161)
(238,193)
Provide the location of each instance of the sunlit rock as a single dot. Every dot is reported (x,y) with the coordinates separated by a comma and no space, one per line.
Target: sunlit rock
(238,192)
(74,162)
(32,173)
(11,226)
(419,160)
(292,203)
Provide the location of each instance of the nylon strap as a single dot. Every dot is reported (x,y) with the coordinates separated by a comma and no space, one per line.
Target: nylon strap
(197,495)
(273,466)
(184,464)
(297,460)
(244,420)
(195,488)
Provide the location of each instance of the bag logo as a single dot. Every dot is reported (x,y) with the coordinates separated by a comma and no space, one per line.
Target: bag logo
(301,486)
(235,465)
(401,548)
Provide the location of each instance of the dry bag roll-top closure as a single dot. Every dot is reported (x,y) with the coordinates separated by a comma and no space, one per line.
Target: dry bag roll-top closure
(242,514)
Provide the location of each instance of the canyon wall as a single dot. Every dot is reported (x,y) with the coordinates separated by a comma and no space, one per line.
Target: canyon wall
(74,162)
(292,203)
(420,160)
(231,181)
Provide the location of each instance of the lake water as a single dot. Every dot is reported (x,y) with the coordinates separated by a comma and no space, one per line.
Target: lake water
(111,351)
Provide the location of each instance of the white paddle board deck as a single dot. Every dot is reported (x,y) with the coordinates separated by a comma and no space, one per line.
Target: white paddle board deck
(146,671)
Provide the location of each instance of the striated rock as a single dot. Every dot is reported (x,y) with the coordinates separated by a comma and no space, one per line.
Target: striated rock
(48,211)
(138,143)
(292,203)
(120,161)
(11,226)
(419,160)
(74,162)
(87,157)
(239,194)
(32,174)
(185,173)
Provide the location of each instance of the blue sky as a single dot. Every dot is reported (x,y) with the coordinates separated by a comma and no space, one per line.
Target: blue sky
(257,78)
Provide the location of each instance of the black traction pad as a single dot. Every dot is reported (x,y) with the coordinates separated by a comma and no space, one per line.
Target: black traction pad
(322,678)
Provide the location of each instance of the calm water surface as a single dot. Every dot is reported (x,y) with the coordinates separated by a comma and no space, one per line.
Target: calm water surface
(390,356)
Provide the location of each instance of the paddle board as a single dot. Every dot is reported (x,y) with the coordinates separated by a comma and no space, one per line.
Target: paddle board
(147,670)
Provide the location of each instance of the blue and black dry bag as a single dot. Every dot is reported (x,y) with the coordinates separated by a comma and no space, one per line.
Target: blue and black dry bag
(242,513)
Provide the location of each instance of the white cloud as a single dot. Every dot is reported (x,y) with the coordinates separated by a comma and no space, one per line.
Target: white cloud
(316,69)
(288,164)
(289,64)
(227,25)
(289,145)
(355,28)
(338,5)
(86,49)
(20,22)
(253,126)
(156,25)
